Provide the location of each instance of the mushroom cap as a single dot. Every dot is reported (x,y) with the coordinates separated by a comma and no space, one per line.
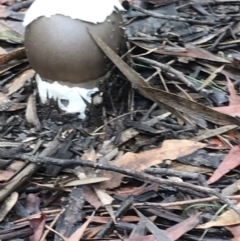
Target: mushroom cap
(94,11)
(59,48)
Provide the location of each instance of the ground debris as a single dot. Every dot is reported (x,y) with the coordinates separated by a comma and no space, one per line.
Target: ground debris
(155,159)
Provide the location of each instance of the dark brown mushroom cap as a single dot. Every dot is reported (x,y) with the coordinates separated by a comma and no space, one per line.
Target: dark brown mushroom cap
(60,48)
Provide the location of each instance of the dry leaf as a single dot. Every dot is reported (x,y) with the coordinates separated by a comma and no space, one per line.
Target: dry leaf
(5,103)
(77,235)
(19,82)
(128,219)
(230,217)
(38,225)
(104,197)
(233,108)
(8,204)
(176,231)
(91,232)
(170,150)
(31,112)
(90,196)
(235,230)
(85,181)
(234,99)
(230,161)
(5,175)
(89,155)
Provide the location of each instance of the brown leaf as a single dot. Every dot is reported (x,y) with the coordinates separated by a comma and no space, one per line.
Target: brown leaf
(146,159)
(89,155)
(19,82)
(8,204)
(176,231)
(217,144)
(115,180)
(235,230)
(189,168)
(90,196)
(104,198)
(170,150)
(31,112)
(5,103)
(230,161)
(128,219)
(91,232)
(233,110)
(230,217)
(38,224)
(234,99)
(5,175)
(33,204)
(77,235)
(17,106)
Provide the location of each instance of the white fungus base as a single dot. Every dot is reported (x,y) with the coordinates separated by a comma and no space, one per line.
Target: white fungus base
(73,95)
(94,11)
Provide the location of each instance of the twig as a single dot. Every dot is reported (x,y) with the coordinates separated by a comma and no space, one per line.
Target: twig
(183,203)
(173,71)
(52,224)
(165,171)
(138,175)
(21,177)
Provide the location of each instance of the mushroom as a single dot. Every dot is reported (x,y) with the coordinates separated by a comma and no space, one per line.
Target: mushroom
(59,48)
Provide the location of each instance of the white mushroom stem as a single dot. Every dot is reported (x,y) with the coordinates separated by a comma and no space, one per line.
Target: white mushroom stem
(60,93)
(93,11)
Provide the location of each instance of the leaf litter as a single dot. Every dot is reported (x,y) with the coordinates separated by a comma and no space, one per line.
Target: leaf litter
(157,160)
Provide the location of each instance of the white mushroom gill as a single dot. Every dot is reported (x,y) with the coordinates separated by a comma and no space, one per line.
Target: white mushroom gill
(92,11)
